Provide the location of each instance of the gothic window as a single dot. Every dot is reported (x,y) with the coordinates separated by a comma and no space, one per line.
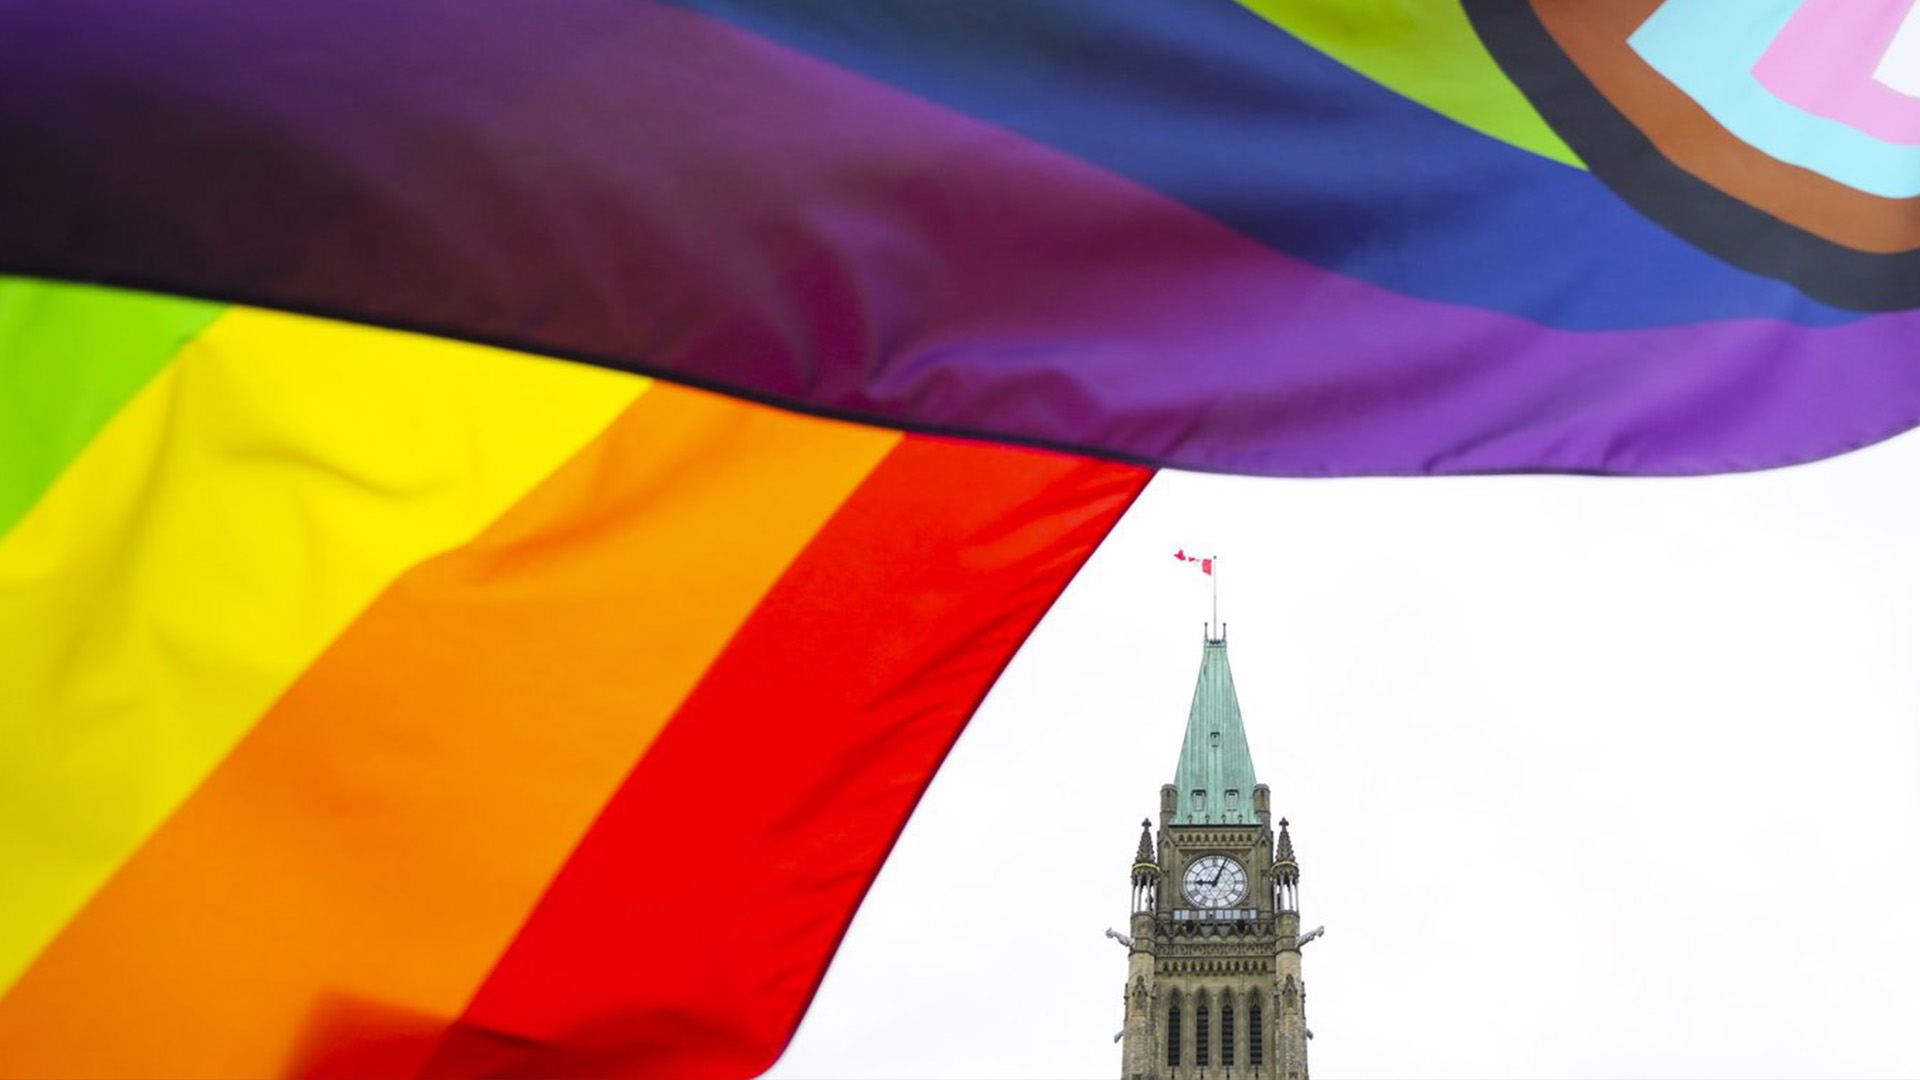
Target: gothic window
(1200,1036)
(1233,799)
(1254,1056)
(1199,799)
(1226,1034)
(1173,1036)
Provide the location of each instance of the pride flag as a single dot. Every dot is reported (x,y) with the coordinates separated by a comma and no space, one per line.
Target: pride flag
(504,506)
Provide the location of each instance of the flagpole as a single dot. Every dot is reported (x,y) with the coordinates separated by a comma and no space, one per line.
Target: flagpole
(1216,588)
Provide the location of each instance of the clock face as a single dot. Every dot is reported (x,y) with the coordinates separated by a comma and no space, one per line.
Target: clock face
(1215,881)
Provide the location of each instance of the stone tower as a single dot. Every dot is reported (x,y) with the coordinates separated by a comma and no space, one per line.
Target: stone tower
(1213,967)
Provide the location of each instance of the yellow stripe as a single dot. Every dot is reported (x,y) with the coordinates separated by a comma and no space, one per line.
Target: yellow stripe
(215,536)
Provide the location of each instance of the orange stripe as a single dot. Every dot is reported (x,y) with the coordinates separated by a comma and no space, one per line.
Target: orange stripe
(375,842)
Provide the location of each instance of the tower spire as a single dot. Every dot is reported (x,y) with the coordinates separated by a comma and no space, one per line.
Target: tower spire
(1214,779)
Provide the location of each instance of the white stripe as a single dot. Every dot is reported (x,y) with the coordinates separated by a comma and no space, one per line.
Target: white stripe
(1899,67)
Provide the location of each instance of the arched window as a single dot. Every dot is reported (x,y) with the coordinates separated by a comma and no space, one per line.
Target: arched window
(1200,1035)
(1254,1056)
(1173,1036)
(1226,1034)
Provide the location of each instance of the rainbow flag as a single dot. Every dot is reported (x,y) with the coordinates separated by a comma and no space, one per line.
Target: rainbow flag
(504,506)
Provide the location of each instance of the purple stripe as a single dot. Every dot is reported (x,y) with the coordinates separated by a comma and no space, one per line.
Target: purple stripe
(643,187)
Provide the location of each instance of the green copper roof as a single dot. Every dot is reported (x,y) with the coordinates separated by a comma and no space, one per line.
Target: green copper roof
(1214,760)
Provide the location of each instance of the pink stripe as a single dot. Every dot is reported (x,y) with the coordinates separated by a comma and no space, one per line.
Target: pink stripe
(1823,62)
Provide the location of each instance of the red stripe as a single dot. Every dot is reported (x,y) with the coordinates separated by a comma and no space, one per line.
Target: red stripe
(691,927)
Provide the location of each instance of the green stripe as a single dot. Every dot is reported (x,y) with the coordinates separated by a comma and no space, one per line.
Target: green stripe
(1425,50)
(70,357)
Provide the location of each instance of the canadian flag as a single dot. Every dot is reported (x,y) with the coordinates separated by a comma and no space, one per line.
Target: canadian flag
(1206,564)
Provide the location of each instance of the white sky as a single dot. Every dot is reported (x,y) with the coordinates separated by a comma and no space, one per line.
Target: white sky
(1588,777)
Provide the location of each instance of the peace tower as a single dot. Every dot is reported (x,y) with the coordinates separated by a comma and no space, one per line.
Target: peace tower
(1213,966)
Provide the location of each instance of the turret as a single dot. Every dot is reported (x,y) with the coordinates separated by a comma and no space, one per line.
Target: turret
(1286,875)
(1290,989)
(1146,874)
(1137,1034)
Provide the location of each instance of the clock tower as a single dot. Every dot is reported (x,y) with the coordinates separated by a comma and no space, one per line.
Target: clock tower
(1213,967)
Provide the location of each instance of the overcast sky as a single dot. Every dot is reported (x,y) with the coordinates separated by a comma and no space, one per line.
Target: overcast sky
(1588,777)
